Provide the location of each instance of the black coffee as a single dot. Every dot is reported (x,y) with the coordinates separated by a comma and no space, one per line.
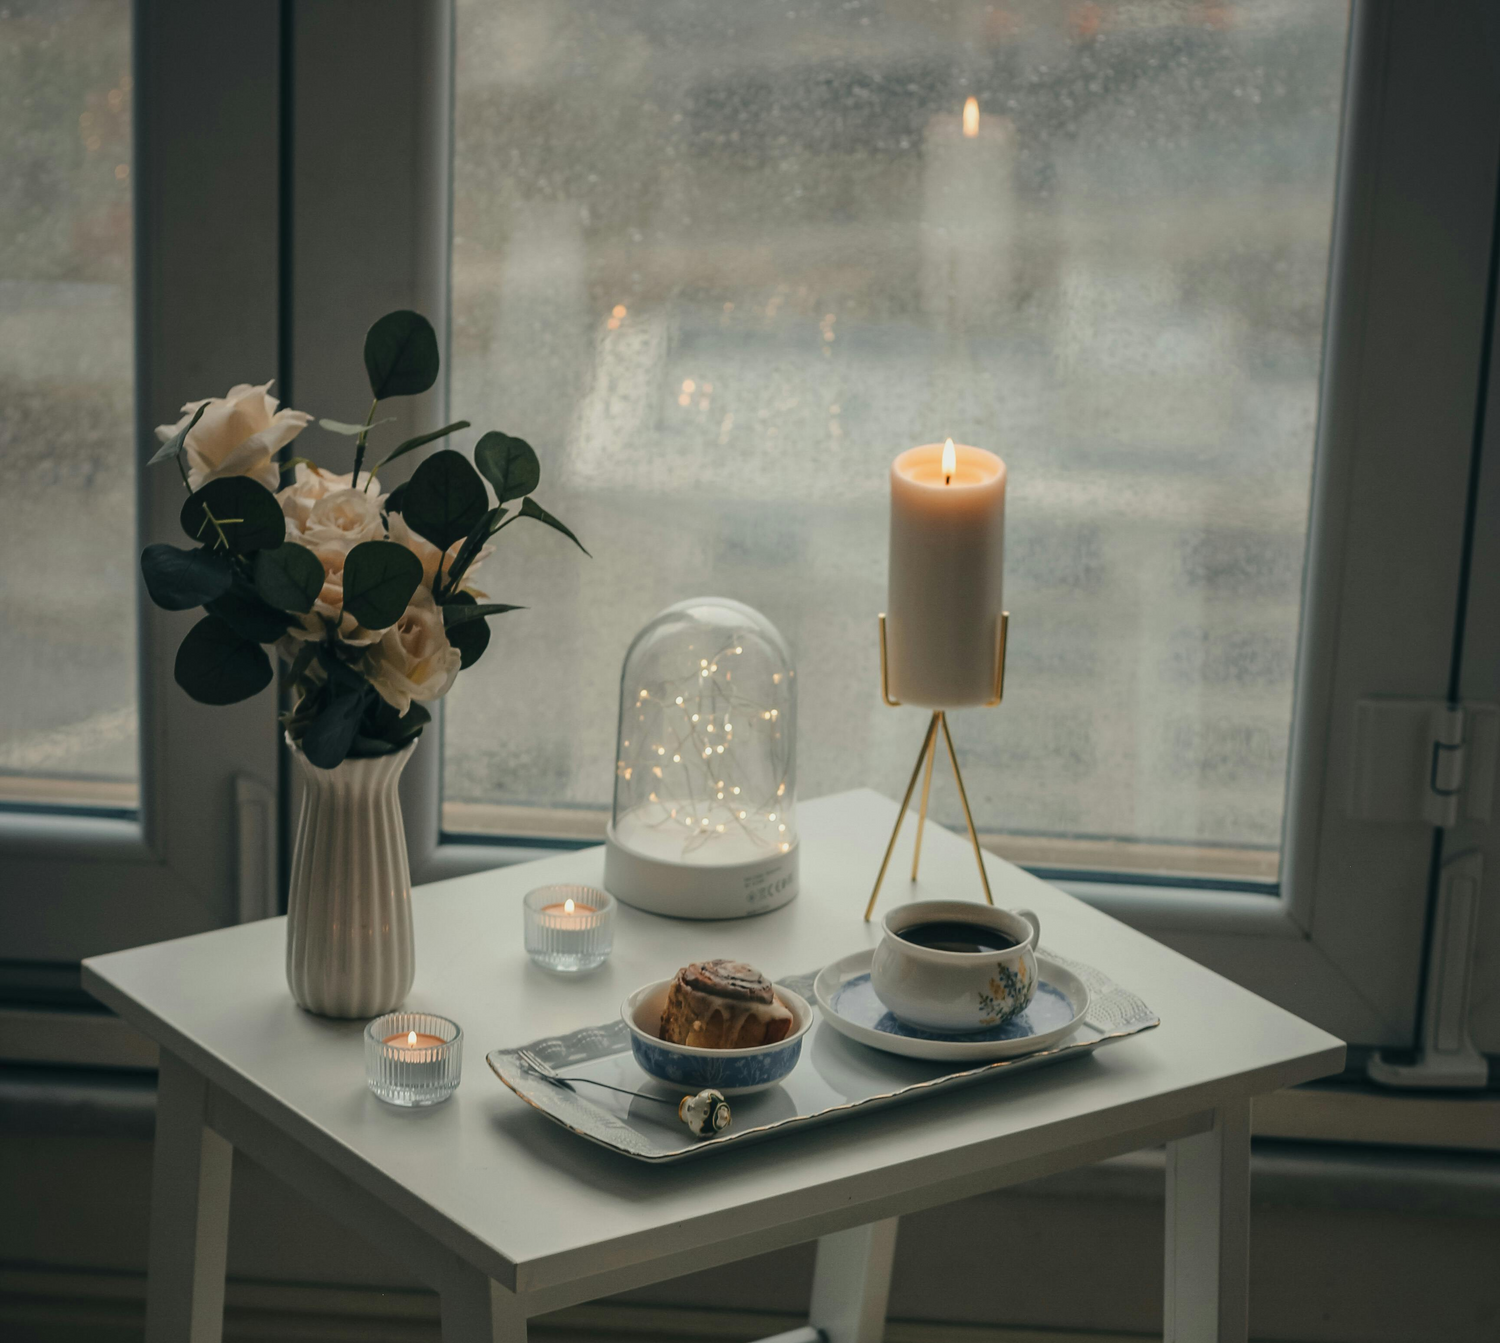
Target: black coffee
(956,935)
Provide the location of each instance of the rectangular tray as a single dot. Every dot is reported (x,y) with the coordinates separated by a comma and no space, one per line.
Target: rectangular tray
(834,1079)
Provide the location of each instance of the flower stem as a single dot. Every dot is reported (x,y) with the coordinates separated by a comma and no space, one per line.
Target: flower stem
(359,446)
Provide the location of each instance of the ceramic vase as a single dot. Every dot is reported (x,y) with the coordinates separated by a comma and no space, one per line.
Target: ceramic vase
(349,950)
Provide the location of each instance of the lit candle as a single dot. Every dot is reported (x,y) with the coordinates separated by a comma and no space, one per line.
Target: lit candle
(570,934)
(569,914)
(413,1043)
(947,570)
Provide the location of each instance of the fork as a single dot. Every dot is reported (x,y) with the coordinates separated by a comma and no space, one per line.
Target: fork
(705,1114)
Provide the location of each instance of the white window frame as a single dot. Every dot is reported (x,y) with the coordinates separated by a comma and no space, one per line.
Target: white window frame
(367,123)
(206,179)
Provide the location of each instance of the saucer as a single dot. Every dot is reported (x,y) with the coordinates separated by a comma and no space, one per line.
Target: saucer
(849,1005)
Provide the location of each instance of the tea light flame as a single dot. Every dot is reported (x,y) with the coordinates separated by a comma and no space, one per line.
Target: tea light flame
(971,117)
(411,1037)
(950,456)
(567,906)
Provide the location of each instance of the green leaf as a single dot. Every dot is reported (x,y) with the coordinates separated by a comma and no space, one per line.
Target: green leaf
(395,501)
(173,445)
(352,430)
(457,614)
(531,509)
(383,730)
(471,639)
(215,665)
(300,664)
(290,576)
(488,524)
(242,609)
(329,736)
(509,464)
(421,440)
(444,499)
(401,355)
(178,580)
(249,518)
(379,580)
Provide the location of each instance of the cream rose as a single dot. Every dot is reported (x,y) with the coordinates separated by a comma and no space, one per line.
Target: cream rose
(328,605)
(343,519)
(239,435)
(425,551)
(413,660)
(309,485)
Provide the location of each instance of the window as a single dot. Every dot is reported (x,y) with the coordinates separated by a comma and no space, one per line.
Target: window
(68,720)
(721,265)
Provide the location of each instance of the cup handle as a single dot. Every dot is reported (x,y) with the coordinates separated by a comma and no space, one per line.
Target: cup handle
(1036,925)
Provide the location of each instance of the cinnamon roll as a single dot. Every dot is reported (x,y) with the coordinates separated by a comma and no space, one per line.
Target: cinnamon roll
(723,1005)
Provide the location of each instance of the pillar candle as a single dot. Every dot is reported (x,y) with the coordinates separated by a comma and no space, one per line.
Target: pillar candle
(947,568)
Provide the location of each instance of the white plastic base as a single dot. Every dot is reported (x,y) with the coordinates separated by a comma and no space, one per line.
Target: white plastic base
(690,891)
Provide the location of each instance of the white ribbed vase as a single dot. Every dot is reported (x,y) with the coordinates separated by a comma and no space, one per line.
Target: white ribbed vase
(349,949)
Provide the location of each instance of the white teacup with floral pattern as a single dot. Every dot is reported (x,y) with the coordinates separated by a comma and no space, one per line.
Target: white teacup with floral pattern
(956,992)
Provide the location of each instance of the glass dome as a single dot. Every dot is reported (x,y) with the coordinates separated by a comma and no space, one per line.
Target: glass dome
(704,818)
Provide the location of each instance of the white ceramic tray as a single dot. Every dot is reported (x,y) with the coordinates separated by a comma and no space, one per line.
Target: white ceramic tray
(835,1078)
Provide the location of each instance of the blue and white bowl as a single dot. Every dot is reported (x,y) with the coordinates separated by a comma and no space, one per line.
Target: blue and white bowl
(735,1072)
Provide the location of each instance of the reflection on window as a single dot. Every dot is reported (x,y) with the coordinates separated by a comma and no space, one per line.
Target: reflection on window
(67,544)
(721,263)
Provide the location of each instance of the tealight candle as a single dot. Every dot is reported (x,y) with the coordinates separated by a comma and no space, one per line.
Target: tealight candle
(569,928)
(413,1058)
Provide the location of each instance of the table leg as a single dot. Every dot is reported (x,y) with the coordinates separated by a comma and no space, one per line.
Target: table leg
(190,1170)
(852,1281)
(477,1309)
(1208,1232)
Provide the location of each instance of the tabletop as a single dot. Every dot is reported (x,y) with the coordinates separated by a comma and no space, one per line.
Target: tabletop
(538,1208)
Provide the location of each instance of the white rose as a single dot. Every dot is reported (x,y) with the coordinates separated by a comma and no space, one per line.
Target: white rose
(425,551)
(239,435)
(328,605)
(413,660)
(343,519)
(310,484)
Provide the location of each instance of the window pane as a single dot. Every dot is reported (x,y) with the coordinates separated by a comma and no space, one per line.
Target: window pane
(721,263)
(67,549)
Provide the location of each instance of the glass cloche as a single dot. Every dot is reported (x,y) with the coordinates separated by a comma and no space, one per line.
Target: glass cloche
(704,822)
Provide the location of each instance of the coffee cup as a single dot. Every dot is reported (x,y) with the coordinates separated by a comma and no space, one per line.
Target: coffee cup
(953,967)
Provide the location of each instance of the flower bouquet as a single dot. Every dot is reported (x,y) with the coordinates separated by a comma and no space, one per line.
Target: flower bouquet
(369,599)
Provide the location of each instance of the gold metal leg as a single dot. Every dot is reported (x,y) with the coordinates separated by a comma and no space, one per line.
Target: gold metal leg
(929,743)
(968,815)
(916,853)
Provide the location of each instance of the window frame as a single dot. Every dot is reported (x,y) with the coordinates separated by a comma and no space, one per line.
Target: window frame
(200,851)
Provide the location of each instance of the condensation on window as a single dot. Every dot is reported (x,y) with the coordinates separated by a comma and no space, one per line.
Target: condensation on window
(67,546)
(720,263)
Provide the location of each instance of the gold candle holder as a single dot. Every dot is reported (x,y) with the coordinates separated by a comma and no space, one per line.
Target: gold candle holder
(928,755)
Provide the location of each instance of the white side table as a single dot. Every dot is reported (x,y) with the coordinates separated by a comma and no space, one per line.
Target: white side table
(508,1216)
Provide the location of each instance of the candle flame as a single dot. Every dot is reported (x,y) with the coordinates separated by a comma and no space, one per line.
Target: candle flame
(950,462)
(971,117)
(567,906)
(411,1037)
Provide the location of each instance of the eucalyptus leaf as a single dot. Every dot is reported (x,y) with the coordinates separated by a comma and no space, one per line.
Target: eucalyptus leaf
(470,639)
(352,430)
(289,576)
(329,736)
(421,440)
(173,445)
(531,509)
(444,499)
(455,615)
(305,655)
(244,611)
(379,580)
(395,501)
(401,355)
(382,723)
(216,665)
(248,516)
(509,464)
(179,580)
(481,532)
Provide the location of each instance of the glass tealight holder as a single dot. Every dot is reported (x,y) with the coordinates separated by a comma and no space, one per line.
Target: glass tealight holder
(413,1058)
(569,929)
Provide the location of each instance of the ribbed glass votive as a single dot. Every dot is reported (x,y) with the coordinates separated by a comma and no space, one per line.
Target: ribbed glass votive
(413,1058)
(569,928)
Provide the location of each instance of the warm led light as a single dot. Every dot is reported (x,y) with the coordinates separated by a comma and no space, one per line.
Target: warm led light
(971,117)
(950,462)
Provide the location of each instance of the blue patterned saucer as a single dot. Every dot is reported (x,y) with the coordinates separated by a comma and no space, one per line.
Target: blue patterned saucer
(849,1005)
